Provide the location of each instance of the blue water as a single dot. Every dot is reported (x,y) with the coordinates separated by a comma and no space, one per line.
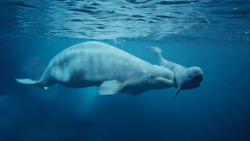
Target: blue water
(216,111)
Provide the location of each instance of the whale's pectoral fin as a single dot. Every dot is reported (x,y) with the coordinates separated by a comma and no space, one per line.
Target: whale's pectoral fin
(110,87)
(177,92)
(59,74)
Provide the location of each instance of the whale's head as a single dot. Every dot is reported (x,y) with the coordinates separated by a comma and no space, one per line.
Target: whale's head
(160,78)
(191,79)
(194,76)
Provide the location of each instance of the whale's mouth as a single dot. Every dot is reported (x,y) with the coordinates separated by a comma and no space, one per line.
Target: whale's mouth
(192,83)
(197,78)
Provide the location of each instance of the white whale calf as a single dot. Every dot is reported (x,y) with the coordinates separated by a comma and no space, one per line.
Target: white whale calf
(98,64)
(185,78)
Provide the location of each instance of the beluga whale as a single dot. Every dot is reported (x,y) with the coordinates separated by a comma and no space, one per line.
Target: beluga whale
(185,78)
(113,70)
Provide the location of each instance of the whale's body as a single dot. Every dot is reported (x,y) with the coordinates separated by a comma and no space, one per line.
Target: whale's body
(98,64)
(185,78)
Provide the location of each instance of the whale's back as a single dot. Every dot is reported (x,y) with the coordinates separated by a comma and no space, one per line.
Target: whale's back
(95,62)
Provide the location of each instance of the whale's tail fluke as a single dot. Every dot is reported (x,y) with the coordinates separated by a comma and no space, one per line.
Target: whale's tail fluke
(30,82)
(154,50)
(157,51)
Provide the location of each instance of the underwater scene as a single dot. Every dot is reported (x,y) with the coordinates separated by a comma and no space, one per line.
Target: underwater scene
(124,70)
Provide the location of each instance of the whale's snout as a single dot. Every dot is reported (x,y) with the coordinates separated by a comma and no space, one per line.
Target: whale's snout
(194,75)
(193,81)
(197,79)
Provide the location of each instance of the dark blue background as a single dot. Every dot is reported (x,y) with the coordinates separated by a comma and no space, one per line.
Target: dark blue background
(218,110)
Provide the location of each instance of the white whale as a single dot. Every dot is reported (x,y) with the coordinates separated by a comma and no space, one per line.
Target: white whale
(185,78)
(98,64)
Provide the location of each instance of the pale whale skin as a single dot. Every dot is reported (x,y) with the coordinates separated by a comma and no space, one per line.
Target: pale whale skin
(185,78)
(98,64)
